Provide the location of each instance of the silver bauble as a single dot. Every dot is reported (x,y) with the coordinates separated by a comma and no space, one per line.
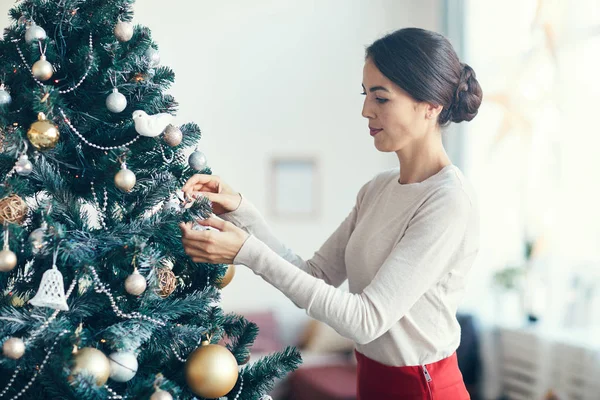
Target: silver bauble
(116,101)
(135,284)
(124,31)
(42,69)
(172,135)
(123,366)
(172,205)
(23,166)
(153,57)
(24,21)
(8,260)
(34,33)
(13,348)
(125,179)
(5,98)
(38,239)
(197,160)
(161,395)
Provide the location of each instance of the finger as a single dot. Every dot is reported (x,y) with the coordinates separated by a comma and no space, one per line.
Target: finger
(214,223)
(193,252)
(188,233)
(194,244)
(201,179)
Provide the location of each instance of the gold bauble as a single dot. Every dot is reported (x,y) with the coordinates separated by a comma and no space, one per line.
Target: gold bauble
(211,371)
(167,282)
(227,278)
(42,69)
(13,348)
(43,134)
(8,260)
(13,209)
(125,179)
(93,362)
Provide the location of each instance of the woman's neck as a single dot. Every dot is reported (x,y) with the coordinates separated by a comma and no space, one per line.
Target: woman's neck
(422,160)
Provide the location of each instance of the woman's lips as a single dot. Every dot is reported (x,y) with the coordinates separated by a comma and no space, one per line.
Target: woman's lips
(375,131)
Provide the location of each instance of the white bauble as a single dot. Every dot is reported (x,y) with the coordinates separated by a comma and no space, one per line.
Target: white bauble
(123,366)
(116,101)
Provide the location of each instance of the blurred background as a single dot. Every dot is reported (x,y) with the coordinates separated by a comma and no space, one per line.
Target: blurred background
(275,86)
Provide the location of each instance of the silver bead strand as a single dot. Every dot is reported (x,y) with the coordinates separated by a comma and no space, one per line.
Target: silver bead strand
(36,373)
(113,394)
(11,381)
(39,330)
(85,75)
(164,157)
(100,287)
(75,131)
(237,396)
(177,354)
(101,210)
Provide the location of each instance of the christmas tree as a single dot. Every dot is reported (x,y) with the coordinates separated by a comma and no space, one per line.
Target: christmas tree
(97,297)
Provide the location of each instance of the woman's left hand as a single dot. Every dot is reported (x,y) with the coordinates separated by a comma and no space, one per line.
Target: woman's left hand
(213,246)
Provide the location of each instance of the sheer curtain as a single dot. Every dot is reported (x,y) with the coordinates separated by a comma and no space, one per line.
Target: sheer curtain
(532,154)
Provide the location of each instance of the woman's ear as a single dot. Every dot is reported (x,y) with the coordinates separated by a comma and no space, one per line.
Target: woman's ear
(432,110)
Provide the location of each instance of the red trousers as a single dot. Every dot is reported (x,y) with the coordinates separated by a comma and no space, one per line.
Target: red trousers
(441,380)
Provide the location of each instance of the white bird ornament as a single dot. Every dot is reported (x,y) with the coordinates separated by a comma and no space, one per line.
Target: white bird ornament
(151,125)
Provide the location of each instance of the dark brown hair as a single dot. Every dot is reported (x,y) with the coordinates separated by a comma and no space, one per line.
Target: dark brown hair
(425,65)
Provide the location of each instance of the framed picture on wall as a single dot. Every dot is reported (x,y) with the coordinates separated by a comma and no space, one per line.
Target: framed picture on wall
(293,191)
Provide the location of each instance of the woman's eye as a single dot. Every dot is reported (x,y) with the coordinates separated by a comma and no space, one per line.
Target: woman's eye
(380,100)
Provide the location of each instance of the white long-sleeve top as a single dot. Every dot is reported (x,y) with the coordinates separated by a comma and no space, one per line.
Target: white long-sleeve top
(405,249)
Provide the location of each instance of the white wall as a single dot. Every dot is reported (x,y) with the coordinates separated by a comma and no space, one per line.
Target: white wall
(275,77)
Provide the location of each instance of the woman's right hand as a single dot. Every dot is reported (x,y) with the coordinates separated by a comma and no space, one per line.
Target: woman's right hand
(224,199)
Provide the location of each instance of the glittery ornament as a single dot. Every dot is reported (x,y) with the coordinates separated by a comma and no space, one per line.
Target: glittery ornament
(124,31)
(153,57)
(197,160)
(172,135)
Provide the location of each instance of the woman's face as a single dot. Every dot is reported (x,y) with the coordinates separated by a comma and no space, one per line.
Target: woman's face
(395,118)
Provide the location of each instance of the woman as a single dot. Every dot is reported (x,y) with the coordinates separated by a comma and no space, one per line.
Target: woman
(406,247)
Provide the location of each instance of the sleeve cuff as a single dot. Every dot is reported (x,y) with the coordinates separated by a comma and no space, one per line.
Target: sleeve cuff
(243,215)
(250,253)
